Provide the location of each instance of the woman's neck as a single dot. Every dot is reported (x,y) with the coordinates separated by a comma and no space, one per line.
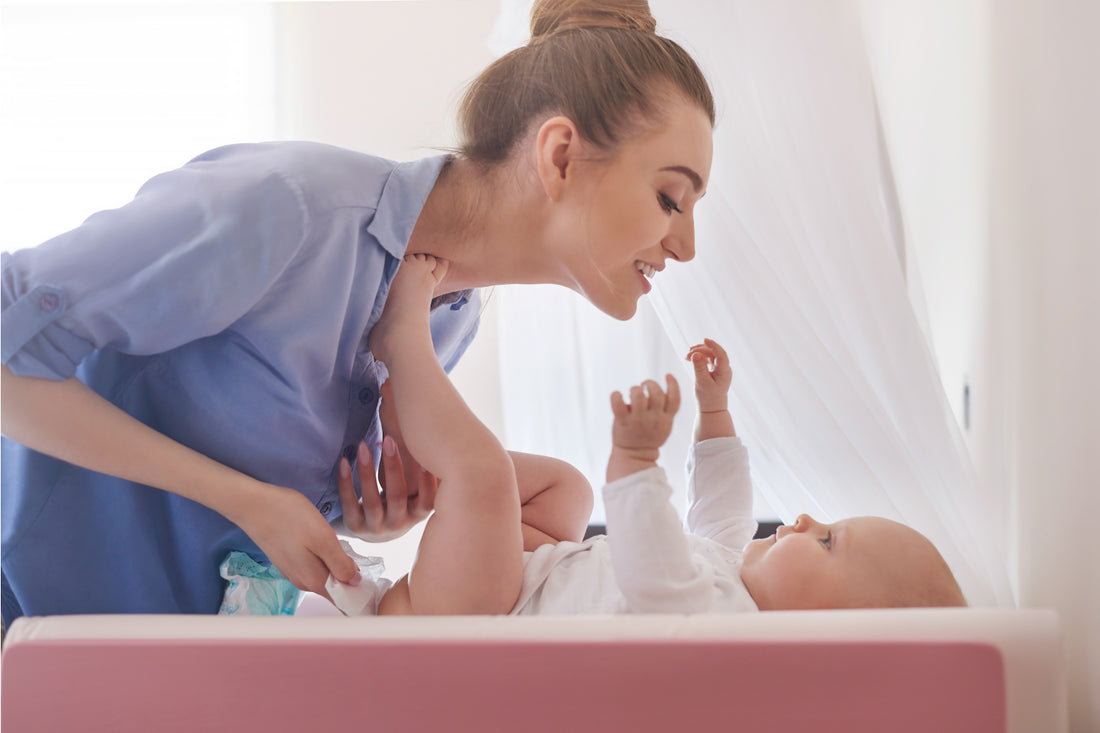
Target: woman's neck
(487,224)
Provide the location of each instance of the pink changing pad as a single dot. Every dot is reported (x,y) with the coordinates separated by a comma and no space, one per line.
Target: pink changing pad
(640,673)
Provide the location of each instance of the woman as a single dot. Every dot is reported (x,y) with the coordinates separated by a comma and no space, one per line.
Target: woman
(209,339)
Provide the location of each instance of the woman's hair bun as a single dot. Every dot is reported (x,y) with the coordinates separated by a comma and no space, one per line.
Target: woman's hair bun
(552,16)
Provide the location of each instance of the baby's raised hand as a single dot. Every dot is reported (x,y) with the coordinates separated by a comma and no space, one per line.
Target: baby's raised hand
(713,375)
(645,422)
(408,303)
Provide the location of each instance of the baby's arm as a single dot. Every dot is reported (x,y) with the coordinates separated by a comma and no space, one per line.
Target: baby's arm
(641,427)
(719,488)
(654,565)
(470,558)
(712,383)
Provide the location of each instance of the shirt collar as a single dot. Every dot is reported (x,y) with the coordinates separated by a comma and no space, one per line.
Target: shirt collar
(401,202)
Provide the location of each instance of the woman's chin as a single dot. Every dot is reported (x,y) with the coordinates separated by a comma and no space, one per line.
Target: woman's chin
(621,308)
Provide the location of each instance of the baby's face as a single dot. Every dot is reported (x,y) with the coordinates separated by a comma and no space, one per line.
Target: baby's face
(853,563)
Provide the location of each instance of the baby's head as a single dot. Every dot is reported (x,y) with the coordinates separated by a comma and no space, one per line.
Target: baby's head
(862,562)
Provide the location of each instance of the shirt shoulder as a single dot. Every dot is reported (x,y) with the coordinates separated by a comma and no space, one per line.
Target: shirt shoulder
(325,176)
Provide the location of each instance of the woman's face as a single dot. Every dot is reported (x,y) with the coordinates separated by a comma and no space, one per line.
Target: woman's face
(627,216)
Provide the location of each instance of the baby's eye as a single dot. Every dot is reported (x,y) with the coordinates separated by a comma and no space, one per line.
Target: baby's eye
(828,541)
(668,204)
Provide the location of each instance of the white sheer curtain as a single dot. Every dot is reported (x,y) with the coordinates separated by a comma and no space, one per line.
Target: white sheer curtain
(798,274)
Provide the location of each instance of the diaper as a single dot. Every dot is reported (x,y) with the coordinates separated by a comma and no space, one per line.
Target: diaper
(255,589)
(261,590)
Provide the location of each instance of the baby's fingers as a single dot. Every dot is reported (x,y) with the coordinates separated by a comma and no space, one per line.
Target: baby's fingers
(699,362)
(656,395)
(672,402)
(722,359)
(619,408)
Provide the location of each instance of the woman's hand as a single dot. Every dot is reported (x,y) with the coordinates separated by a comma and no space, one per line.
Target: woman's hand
(405,499)
(407,492)
(297,540)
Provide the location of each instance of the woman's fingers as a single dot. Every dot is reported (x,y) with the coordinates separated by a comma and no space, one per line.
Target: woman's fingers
(373,510)
(423,502)
(349,502)
(397,491)
(339,564)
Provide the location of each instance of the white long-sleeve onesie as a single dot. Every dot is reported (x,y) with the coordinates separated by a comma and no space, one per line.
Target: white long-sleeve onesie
(647,563)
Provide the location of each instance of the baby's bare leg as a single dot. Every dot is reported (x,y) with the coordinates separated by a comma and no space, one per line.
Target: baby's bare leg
(555,500)
(470,559)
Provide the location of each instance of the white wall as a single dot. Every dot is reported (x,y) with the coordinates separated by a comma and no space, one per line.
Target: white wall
(991,112)
(1045,311)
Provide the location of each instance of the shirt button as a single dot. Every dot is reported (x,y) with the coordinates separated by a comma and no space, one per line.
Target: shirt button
(326,508)
(49,302)
(366,396)
(349,453)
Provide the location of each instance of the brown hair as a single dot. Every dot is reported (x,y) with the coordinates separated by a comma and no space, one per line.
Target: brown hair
(599,63)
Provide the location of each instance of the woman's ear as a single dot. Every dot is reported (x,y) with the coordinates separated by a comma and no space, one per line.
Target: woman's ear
(557,145)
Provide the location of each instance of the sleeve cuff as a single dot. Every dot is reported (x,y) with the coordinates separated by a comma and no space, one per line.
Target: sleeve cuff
(33,344)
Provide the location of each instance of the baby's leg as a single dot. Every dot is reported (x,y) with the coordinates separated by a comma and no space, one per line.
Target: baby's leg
(470,559)
(556,505)
(555,500)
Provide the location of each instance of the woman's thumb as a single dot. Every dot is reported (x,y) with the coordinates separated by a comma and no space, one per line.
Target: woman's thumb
(341,566)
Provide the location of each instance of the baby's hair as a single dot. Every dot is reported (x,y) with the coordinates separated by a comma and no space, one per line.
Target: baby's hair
(942,589)
(598,62)
(936,586)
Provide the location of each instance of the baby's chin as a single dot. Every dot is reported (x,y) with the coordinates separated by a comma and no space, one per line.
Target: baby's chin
(756,549)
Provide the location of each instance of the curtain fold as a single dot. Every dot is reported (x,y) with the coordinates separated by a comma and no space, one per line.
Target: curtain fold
(798,275)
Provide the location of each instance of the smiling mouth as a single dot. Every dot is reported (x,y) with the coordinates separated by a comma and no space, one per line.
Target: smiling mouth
(645,268)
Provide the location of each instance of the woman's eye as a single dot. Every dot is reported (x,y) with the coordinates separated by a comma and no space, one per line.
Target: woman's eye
(668,204)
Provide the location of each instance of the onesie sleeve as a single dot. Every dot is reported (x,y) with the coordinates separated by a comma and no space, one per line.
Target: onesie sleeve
(194,251)
(654,565)
(720,492)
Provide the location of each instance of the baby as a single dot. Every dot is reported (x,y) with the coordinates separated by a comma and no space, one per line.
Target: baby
(504,535)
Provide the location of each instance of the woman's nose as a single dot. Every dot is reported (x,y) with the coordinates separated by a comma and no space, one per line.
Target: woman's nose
(680,243)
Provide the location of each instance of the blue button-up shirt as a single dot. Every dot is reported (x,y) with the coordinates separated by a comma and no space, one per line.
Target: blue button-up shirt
(228,307)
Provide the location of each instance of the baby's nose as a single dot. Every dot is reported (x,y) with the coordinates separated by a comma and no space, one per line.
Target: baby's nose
(803,523)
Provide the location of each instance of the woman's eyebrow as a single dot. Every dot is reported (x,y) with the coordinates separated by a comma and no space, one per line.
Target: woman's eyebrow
(696,179)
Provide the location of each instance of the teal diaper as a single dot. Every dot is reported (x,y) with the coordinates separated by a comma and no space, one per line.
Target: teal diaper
(255,589)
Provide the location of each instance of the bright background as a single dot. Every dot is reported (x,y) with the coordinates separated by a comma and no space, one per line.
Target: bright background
(989,113)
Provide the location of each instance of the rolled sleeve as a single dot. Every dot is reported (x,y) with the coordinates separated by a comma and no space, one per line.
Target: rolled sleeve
(32,342)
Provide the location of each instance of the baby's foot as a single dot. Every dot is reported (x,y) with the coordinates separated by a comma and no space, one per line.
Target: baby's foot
(408,302)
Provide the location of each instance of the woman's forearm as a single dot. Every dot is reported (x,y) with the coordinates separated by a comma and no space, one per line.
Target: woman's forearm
(69,421)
